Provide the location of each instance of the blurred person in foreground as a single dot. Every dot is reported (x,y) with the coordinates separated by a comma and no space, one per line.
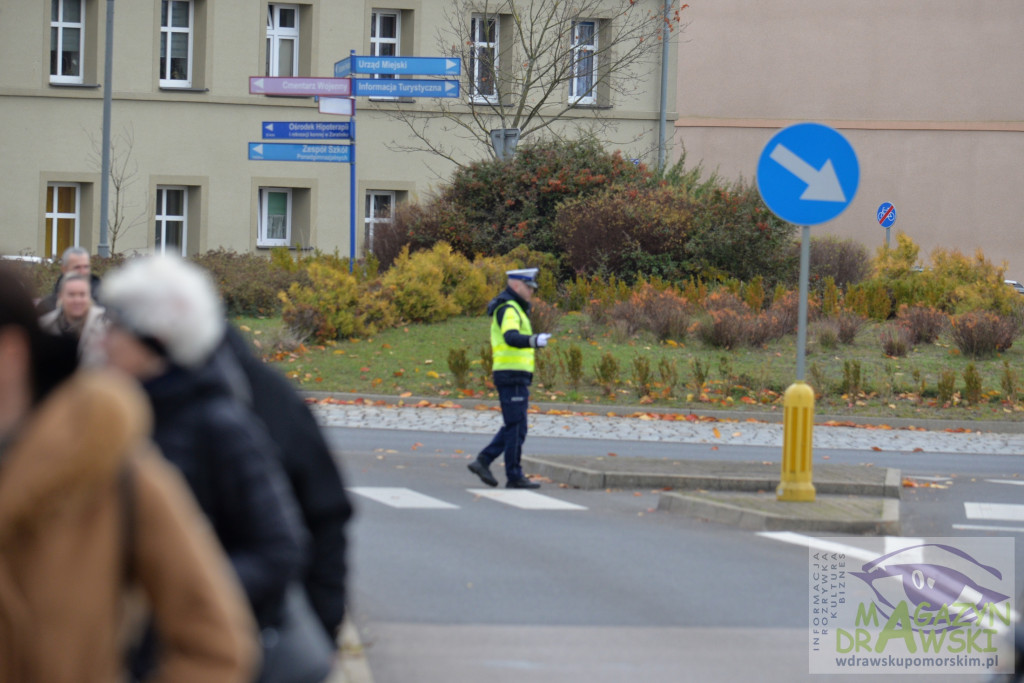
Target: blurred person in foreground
(79,317)
(88,510)
(165,323)
(315,478)
(74,261)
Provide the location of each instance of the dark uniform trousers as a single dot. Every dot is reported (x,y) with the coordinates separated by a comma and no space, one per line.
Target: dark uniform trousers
(515,399)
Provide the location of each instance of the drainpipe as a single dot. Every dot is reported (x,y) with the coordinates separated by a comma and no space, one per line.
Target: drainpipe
(663,110)
(103,248)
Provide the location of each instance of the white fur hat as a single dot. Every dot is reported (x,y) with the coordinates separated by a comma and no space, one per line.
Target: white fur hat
(168,300)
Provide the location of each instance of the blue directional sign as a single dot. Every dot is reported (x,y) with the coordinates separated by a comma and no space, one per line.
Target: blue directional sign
(403,87)
(343,68)
(407,66)
(307,130)
(808,174)
(295,151)
(886,215)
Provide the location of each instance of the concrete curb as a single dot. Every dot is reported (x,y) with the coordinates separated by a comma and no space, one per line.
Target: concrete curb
(832,514)
(591,478)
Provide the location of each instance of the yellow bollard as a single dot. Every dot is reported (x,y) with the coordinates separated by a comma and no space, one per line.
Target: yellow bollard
(797,426)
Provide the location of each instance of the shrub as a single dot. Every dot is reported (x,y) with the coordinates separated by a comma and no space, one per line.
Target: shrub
(845,261)
(699,371)
(946,385)
(249,283)
(431,286)
(851,384)
(486,361)
(606,371)
(641,375)
(896,340)
(725,328)
(573,360)
(980,334)
(830,297)
(1009,382)
(325,309)
(660,311)
(924,323)
(826,333)
(849,324)
(627,232)
(972,384)
(668,371)
(491,206)
(547,370)
(543,316)
(458,365)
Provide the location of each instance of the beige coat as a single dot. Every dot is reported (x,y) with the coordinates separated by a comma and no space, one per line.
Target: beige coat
(90,341)
(63,549)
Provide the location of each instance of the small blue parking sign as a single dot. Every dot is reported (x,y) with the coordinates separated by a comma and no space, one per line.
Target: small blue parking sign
(886,215)
(808,174)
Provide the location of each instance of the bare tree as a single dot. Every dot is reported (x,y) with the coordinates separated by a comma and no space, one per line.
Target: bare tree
(123,172)
(529,64)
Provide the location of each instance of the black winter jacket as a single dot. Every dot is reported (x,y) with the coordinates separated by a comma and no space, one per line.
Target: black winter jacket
(315,476)
(230,465)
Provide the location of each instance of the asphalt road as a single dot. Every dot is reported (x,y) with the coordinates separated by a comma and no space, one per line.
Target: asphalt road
(604,587)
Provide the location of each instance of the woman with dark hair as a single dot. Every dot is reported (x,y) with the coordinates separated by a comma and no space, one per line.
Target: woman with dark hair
(87,510)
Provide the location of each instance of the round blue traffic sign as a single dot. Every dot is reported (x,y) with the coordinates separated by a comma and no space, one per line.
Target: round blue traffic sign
(808,174)
(886,214)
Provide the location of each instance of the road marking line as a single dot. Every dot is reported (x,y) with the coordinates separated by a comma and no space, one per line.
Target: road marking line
(397,497)
(989,527)
(891,543)
(1015,482)
(1003,511)
(525,500)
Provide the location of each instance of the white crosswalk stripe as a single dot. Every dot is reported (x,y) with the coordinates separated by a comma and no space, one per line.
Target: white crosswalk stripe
(995,511)
(525,500)
(405,498)
(397,497)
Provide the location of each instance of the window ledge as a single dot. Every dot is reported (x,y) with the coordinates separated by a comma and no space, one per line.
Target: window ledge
(172,88)
(401,100)
(84,86)
(289,247)
(592,106)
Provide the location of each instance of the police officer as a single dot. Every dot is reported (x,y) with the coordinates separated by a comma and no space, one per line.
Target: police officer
(512,344)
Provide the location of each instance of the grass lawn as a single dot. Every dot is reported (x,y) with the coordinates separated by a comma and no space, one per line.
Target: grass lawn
(849,380)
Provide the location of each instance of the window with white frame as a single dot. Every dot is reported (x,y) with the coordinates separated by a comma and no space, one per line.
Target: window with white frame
(275,221)
(282,40)
(582,84)
(385,28)
(67,38)
(176,39)
(171,220)
(63,217)
(380,210)
(483,58)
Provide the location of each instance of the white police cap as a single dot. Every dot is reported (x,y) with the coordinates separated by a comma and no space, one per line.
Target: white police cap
(527,275)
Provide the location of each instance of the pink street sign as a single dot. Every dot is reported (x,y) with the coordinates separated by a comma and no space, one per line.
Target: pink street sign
(299,87)
(337,105)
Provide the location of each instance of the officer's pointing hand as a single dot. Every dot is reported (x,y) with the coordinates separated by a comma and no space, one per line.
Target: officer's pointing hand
(542,339)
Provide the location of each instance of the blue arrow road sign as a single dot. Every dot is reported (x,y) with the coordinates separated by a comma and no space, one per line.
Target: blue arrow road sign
(886,215)
(406,66)
(307,130)
(294,151)
(343,68)
(403,87)
(808,174)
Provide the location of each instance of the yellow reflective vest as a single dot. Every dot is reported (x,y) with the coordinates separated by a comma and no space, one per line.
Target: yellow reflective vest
(510,357)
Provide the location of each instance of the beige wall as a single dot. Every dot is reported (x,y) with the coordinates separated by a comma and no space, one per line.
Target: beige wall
(927,91)
(199,138)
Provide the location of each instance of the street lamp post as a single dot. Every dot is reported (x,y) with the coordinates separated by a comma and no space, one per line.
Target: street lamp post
(103,248)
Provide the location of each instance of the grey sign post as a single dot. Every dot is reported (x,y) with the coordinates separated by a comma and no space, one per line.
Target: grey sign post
(504,141)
